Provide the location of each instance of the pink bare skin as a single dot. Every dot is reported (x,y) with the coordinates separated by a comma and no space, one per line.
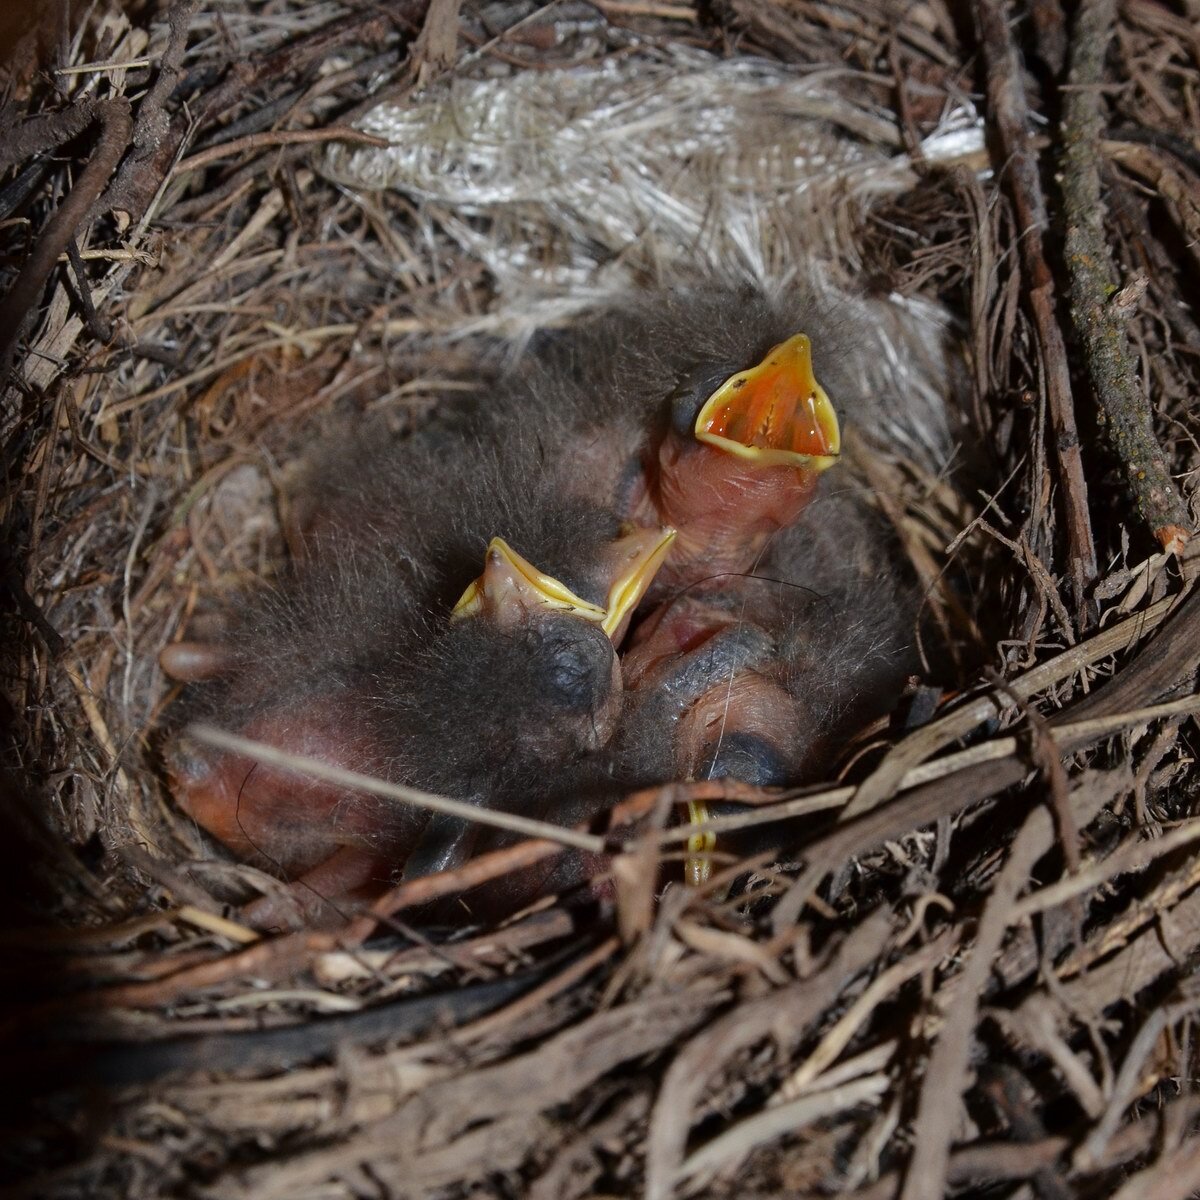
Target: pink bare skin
(289,824)
(708,673)
(724,508)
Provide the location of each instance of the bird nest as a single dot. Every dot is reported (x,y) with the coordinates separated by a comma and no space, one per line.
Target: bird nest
(968,970)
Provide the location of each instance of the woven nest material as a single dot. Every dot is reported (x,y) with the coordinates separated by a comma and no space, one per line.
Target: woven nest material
(977,977)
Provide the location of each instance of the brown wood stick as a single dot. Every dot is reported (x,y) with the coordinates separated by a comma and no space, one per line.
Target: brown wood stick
(1124,407)
(19,305)
(1010,116)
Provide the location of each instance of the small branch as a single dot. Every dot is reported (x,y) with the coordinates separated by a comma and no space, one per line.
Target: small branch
(101,330)
(16,308)
(1175,1175)
(1077,733)
(945,1075)
(36,135)
(316,769)
(1010,115)
(123,1064)
(427,888)
(1124,406)
(728,1150)
(152,123)
(1133,856)
(436,46)
(282,137)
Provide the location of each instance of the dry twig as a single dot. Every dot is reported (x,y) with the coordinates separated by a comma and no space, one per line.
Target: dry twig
(1124,405)
(1010,113)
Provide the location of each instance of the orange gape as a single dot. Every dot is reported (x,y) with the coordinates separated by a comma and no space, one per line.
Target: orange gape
(746,470)
(776,413)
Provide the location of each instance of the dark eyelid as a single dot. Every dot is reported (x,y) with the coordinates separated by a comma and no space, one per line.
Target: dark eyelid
(690,393)
(750,758)
(578,662)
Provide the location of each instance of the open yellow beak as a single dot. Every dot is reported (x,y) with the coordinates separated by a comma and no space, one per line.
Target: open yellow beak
(636,557)
(510,583)
(775,414)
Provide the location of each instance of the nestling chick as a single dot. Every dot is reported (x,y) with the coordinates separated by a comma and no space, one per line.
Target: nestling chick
(764,678)
(459,639)
(761,677)
(453,618)
(715,412)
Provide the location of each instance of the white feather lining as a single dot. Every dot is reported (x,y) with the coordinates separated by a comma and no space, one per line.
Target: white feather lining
(572,185)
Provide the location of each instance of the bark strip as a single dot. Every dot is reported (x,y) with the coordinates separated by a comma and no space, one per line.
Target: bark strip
(1124,406)
(1010,118)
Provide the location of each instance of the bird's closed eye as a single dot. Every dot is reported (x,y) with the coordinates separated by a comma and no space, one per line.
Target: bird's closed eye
(578,668)
(690,395)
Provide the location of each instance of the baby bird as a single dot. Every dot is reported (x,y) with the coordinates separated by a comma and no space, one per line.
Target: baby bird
(759,677)
(764,678)
(459,638)
(716,411)
(786,616)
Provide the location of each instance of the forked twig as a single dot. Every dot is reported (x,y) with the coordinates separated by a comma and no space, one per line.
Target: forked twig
(115,124)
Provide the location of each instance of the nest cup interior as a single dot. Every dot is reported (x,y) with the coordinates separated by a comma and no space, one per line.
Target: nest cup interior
(212,267)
